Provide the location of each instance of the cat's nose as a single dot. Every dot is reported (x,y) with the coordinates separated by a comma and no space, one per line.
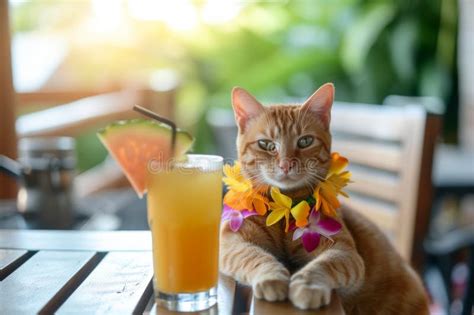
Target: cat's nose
(285,166)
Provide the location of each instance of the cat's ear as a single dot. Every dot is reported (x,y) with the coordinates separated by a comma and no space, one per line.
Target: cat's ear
(320,103)
(245,106)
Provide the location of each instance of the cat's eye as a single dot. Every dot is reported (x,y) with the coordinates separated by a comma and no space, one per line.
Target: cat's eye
(305,142)
(267,145)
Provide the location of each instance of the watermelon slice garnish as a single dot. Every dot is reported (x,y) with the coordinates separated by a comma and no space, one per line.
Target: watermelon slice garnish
(136,143)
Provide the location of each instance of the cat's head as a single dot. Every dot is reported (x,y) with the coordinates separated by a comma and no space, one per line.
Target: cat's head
(286,146)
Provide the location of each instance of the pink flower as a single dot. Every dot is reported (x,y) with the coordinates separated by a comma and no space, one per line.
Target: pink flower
(235,217)
(311,235)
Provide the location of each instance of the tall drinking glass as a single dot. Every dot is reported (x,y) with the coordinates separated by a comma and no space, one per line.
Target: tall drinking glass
(184,209)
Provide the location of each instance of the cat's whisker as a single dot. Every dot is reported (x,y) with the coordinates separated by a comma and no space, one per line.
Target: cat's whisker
(255,177)
(257,181)
(308,184)
(317,171)
(317,176)
(323,180)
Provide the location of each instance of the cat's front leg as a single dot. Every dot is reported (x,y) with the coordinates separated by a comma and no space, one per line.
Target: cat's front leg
(334,268)
(252,265)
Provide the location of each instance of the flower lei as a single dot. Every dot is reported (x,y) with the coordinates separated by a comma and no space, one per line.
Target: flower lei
(309,219)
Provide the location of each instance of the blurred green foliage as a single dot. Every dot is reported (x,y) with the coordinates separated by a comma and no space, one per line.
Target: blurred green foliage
(282,50)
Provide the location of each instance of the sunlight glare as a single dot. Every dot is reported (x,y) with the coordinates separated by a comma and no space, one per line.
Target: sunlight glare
(220,11)
(180,15)
(107,15)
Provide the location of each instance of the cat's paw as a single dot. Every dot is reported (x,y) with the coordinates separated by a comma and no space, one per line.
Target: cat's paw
(309,296)
(272,287)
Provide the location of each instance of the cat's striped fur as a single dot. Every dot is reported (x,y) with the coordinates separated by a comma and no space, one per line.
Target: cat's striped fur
(364,268)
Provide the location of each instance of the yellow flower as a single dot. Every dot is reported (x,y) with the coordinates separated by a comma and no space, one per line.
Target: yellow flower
(300,212)
(326,192)
(281,208)
(234,178)
(241,195)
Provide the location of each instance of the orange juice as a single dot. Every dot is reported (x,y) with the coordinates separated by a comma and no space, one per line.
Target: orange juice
(184,209)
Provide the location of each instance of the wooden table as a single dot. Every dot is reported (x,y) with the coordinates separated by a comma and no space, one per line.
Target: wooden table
(77,272)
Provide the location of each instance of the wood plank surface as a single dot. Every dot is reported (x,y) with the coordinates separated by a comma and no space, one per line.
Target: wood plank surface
(8,256)
(259,307)
(10,259)
(41,283)
(76,240)
(120,284)
(225,300)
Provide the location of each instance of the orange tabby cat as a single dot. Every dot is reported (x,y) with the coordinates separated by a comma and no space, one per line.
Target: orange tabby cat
(274,143)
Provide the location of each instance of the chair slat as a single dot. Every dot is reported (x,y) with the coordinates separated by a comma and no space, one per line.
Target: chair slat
(369,121)
(9,258)
(382,214)
(120,284)
(371,182)
(386,156)
(286,308)
(413,185)
(41,283)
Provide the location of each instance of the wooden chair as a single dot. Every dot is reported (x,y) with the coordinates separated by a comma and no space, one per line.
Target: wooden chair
(390,151)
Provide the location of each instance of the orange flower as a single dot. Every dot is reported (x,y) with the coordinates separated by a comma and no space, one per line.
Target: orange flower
(326,192)
(338,163)
(241,195)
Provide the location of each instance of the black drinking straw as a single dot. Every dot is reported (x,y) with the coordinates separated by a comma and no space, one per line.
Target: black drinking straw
(148,113)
